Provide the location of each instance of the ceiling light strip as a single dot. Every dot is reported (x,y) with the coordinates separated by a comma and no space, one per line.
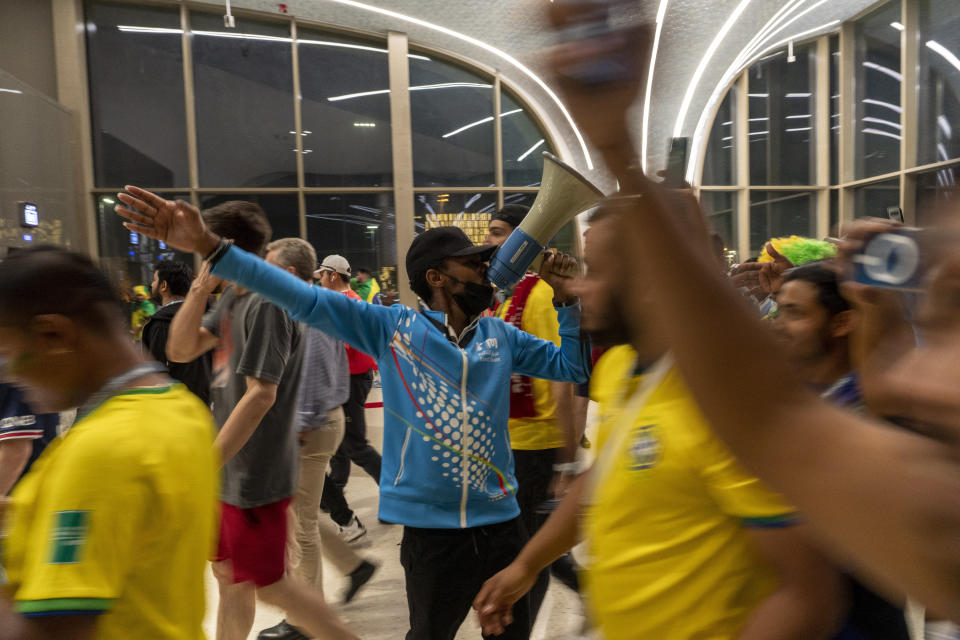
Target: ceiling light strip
(707,57)
(644,138)
(732,70)
(948,55)
(487,47)
(526,153)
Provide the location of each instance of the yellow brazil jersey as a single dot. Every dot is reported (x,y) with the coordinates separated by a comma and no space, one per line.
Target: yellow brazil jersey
(540,319)
(117,517)
(669,555)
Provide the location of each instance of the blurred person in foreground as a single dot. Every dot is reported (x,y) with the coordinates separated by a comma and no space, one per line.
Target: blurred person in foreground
(447,471)
(886,498)
(171,283)
(108,535)
(257,368)
(544,434)
(681,542)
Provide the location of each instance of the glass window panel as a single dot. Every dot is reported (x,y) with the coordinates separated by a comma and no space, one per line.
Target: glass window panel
(936,191)
(243,82)
(719,166)
(877,82)
(127,257)
(939,81)
(774,214)
(359,226)
(873,199)
(835,110)
(135,67)
(523,144)
(721,212)
(450,112)
(346,137)
(469,211)
(281,208)
(781,118)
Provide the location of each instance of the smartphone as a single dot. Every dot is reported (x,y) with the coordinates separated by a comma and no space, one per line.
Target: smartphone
(677,163)
(893,260)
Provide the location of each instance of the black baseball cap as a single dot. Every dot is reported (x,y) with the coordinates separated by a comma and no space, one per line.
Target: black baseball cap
(512,214)
(437,244)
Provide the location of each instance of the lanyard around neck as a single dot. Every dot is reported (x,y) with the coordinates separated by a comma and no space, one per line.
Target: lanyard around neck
(117,384)
(606,459)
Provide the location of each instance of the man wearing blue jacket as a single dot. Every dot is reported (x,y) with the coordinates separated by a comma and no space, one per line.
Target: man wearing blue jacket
(447,468)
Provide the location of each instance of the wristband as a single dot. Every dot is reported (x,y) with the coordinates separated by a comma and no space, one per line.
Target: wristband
(214,256)
(570,468)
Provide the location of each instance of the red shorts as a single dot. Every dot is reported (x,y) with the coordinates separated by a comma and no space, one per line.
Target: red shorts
(254,541)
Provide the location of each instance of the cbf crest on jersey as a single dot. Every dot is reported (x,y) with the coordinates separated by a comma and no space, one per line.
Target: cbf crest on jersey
(644,448)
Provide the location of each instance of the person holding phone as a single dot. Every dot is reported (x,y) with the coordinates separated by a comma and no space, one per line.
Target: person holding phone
(884,497)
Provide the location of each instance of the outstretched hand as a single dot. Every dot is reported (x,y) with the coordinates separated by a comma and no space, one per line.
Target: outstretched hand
(174,222)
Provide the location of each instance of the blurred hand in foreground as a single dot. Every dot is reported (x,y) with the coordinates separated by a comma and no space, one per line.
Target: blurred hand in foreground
(494,603)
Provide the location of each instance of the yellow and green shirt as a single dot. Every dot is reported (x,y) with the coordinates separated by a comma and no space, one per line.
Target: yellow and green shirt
(669,555)
(542,431)
(117,518)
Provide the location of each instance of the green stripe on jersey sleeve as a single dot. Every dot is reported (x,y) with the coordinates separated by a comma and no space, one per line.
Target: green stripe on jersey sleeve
(63,604)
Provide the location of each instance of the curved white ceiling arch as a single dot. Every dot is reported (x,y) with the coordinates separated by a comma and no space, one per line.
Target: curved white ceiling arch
(487,47)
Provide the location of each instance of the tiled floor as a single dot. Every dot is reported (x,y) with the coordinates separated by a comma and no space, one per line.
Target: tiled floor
(379,611)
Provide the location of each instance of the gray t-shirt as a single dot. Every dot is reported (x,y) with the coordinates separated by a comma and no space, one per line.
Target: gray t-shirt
(259,340)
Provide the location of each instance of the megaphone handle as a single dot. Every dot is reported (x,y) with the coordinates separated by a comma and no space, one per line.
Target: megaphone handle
(537,263)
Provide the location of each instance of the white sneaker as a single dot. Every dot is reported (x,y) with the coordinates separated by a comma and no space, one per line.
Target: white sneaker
(353,531)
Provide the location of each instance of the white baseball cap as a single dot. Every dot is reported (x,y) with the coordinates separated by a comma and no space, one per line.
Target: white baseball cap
(334,263)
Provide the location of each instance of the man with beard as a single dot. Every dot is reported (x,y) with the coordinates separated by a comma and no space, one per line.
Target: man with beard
(683,543)
(171,283)
(815,323)
(447,472)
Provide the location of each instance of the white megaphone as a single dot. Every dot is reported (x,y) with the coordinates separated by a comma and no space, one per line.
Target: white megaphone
(563,194)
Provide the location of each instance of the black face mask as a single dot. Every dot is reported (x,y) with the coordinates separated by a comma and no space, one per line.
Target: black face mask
(475,297)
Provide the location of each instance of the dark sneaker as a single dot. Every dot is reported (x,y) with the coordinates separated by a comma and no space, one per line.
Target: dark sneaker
(359,577)
(282,631)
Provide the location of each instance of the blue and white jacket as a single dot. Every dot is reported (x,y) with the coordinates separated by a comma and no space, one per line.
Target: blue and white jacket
(447,461)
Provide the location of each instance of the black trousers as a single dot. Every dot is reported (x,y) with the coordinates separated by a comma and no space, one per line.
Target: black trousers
(444,570)
(355,446)
(534,472)
(334,502)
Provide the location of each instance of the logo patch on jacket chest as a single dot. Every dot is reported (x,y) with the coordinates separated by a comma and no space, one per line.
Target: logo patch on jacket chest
(488,350)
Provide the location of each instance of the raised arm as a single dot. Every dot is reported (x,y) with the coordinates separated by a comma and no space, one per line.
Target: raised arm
(539,358)
(887,498)
(188,339)
(180,225)
(366,326)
